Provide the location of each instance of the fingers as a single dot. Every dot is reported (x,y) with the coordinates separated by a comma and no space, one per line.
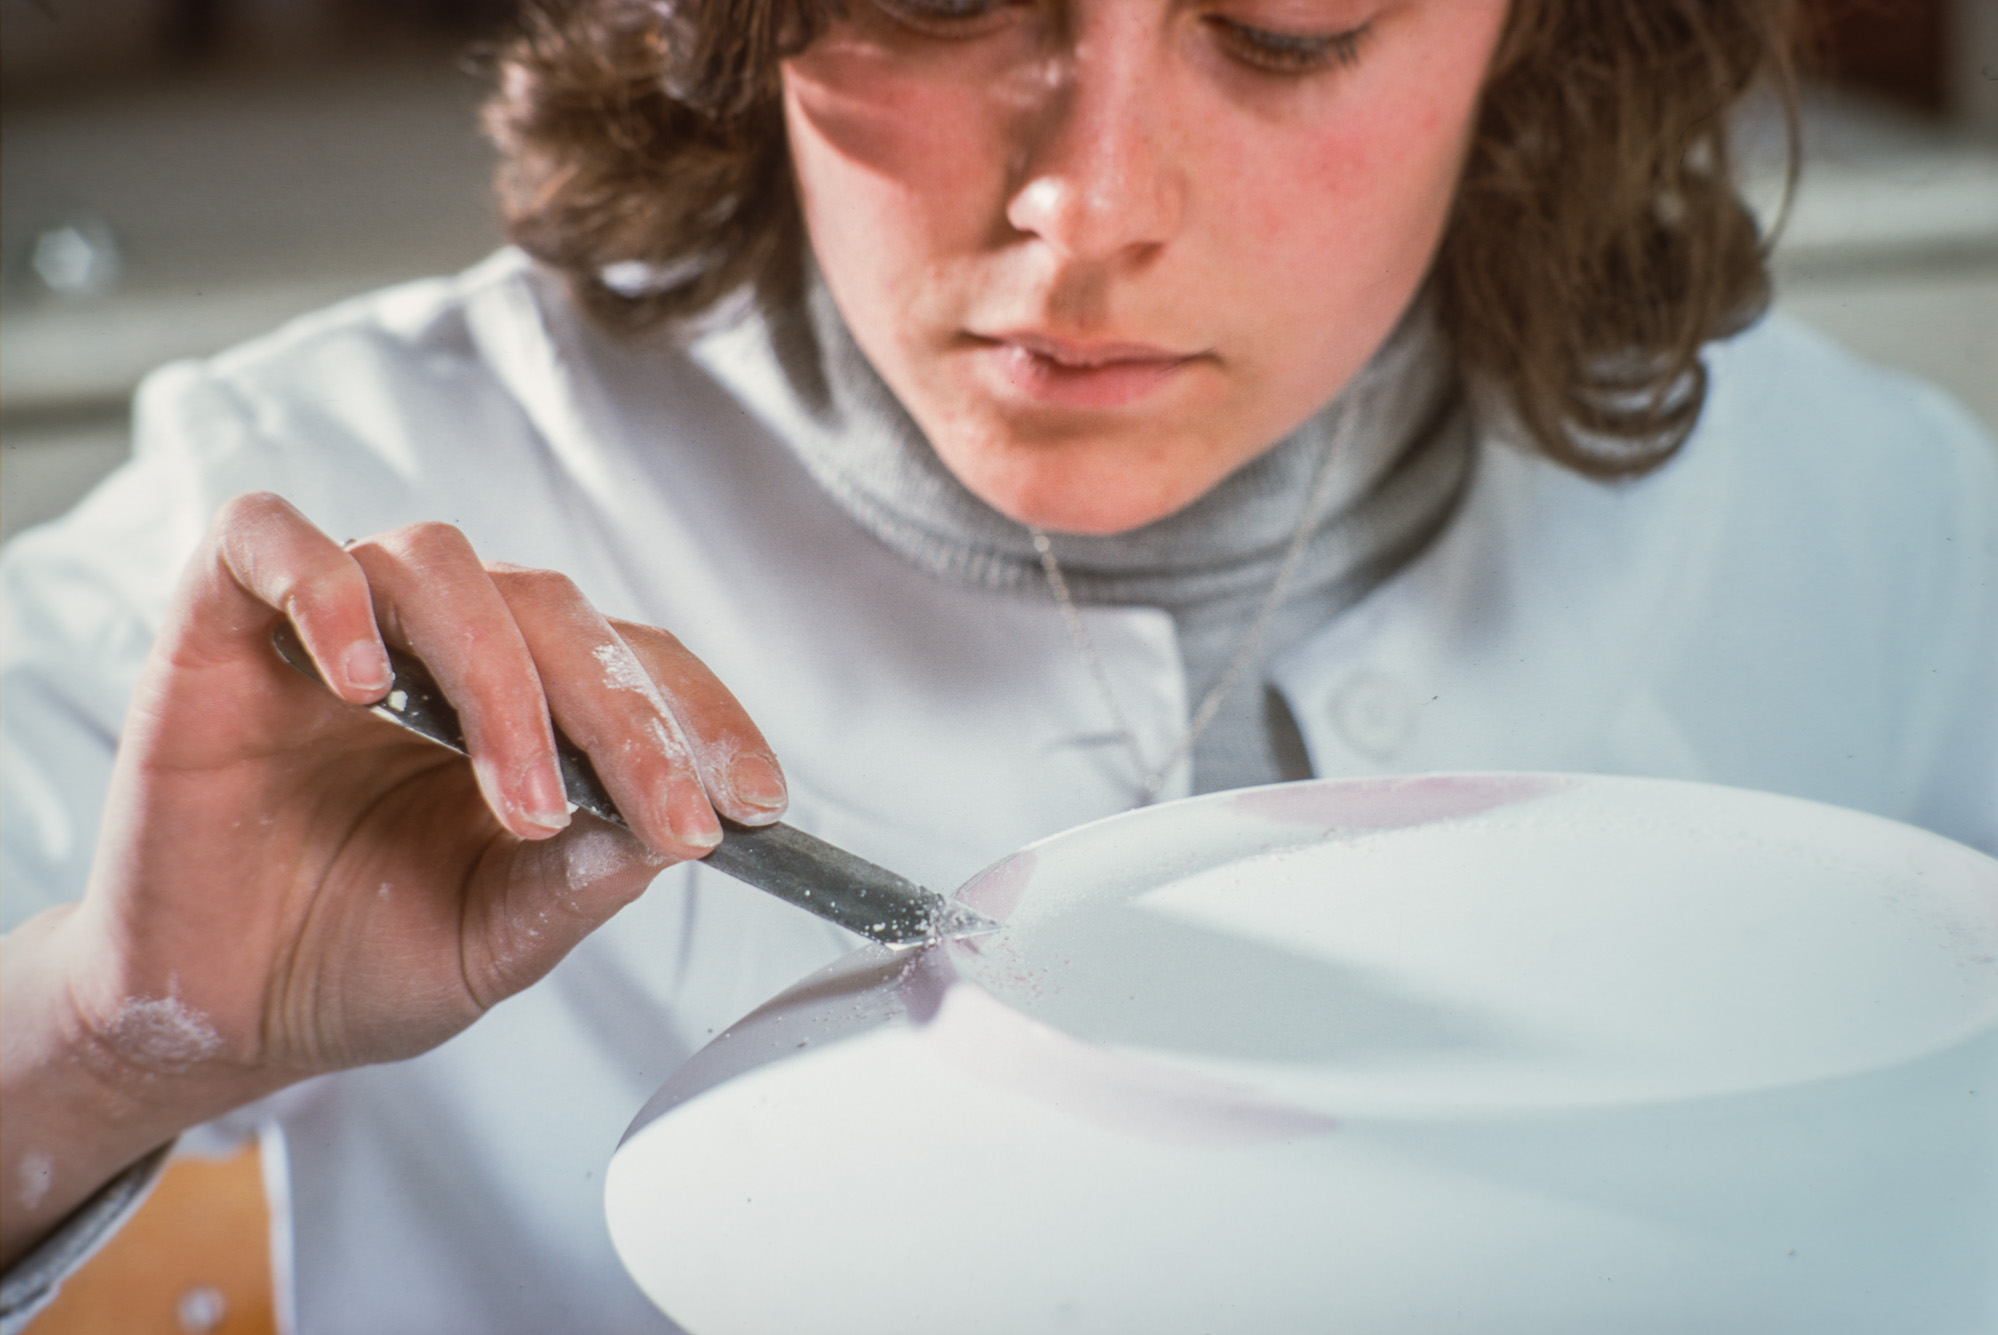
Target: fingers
(509,647)
(267,557)
(431,593)
(736,765)
(607,703)
(512,647)
(424,586)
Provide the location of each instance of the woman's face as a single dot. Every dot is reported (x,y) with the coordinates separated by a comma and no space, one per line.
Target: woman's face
(1107,251)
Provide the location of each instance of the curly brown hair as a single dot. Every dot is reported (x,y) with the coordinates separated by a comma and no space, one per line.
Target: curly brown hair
(1596,245)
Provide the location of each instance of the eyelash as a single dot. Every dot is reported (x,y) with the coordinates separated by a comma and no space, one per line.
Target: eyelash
(1261,49)
(1289,53)
(940,18)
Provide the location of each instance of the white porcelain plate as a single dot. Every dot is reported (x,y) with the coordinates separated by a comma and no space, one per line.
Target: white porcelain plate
(1504,1053)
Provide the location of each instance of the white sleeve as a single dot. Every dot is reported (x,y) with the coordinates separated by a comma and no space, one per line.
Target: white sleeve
(33,1281)
(81,600)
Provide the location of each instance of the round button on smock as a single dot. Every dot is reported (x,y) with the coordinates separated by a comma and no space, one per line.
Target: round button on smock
(1374,713)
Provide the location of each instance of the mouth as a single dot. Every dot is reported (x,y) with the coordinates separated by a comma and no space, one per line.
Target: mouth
(1072,374)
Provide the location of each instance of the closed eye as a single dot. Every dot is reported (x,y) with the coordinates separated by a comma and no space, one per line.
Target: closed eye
(1276,52)
(946,18)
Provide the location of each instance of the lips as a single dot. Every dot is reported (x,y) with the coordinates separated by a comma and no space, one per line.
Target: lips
(1072,374)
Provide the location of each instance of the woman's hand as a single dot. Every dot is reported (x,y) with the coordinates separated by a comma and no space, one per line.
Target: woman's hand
(286,885)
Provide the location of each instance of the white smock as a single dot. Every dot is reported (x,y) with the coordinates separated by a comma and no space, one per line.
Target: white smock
(1805,600)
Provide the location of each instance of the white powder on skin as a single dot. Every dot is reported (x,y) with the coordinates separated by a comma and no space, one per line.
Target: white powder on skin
(621,670)
(36,1172)
(163,1034)
(667,740)
(593,854)
(623,673)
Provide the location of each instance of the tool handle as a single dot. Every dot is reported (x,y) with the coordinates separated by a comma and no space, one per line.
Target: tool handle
(781,859)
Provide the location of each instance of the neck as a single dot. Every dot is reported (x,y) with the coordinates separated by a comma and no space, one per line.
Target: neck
(1356,513)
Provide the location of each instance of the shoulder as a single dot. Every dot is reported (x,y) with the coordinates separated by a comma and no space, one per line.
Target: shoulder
(1810,470)
(349,412)
(1861,499)
(362,374)
(434,400)
(1817,600)
(1784,368)
(1792,410)
(452,399)
(1851,586)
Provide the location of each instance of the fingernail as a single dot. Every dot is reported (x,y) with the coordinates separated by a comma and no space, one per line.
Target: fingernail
(755,780)
(366,668)
(547,804)
(691,819)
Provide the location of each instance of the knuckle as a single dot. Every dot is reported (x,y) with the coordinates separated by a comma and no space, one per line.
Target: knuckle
(255,505)
(645,640)
(540,588)
(427,542)
(248,521)
(326,587)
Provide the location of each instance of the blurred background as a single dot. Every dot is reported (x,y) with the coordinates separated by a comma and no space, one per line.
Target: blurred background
(179,175)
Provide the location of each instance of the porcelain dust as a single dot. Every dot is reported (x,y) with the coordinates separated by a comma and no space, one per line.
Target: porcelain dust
(164,1034)
(35,1174)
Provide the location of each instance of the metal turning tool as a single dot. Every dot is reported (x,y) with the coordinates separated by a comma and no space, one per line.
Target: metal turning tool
(817,876)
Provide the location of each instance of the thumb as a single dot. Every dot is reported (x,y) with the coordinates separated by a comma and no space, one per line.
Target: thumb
(558,892)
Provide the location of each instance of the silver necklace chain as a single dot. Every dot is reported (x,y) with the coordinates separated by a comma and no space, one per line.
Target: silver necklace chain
(1152,777)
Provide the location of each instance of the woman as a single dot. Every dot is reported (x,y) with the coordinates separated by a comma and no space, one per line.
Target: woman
(1027,409)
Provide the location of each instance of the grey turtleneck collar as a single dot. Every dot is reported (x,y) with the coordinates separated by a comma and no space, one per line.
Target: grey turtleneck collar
(1210,565)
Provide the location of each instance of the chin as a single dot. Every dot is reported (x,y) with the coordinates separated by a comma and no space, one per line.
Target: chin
(1076,473)
(1091,502)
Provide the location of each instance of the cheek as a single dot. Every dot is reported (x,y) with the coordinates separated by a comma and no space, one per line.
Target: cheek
(1332,246)
(1368,192)
(894,165)
(1340,217)
(1370,171)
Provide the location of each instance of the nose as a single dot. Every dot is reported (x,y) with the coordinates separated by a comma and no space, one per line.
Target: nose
(1099,177)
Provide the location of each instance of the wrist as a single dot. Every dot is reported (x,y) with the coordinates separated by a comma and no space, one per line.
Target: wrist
(86,1098)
